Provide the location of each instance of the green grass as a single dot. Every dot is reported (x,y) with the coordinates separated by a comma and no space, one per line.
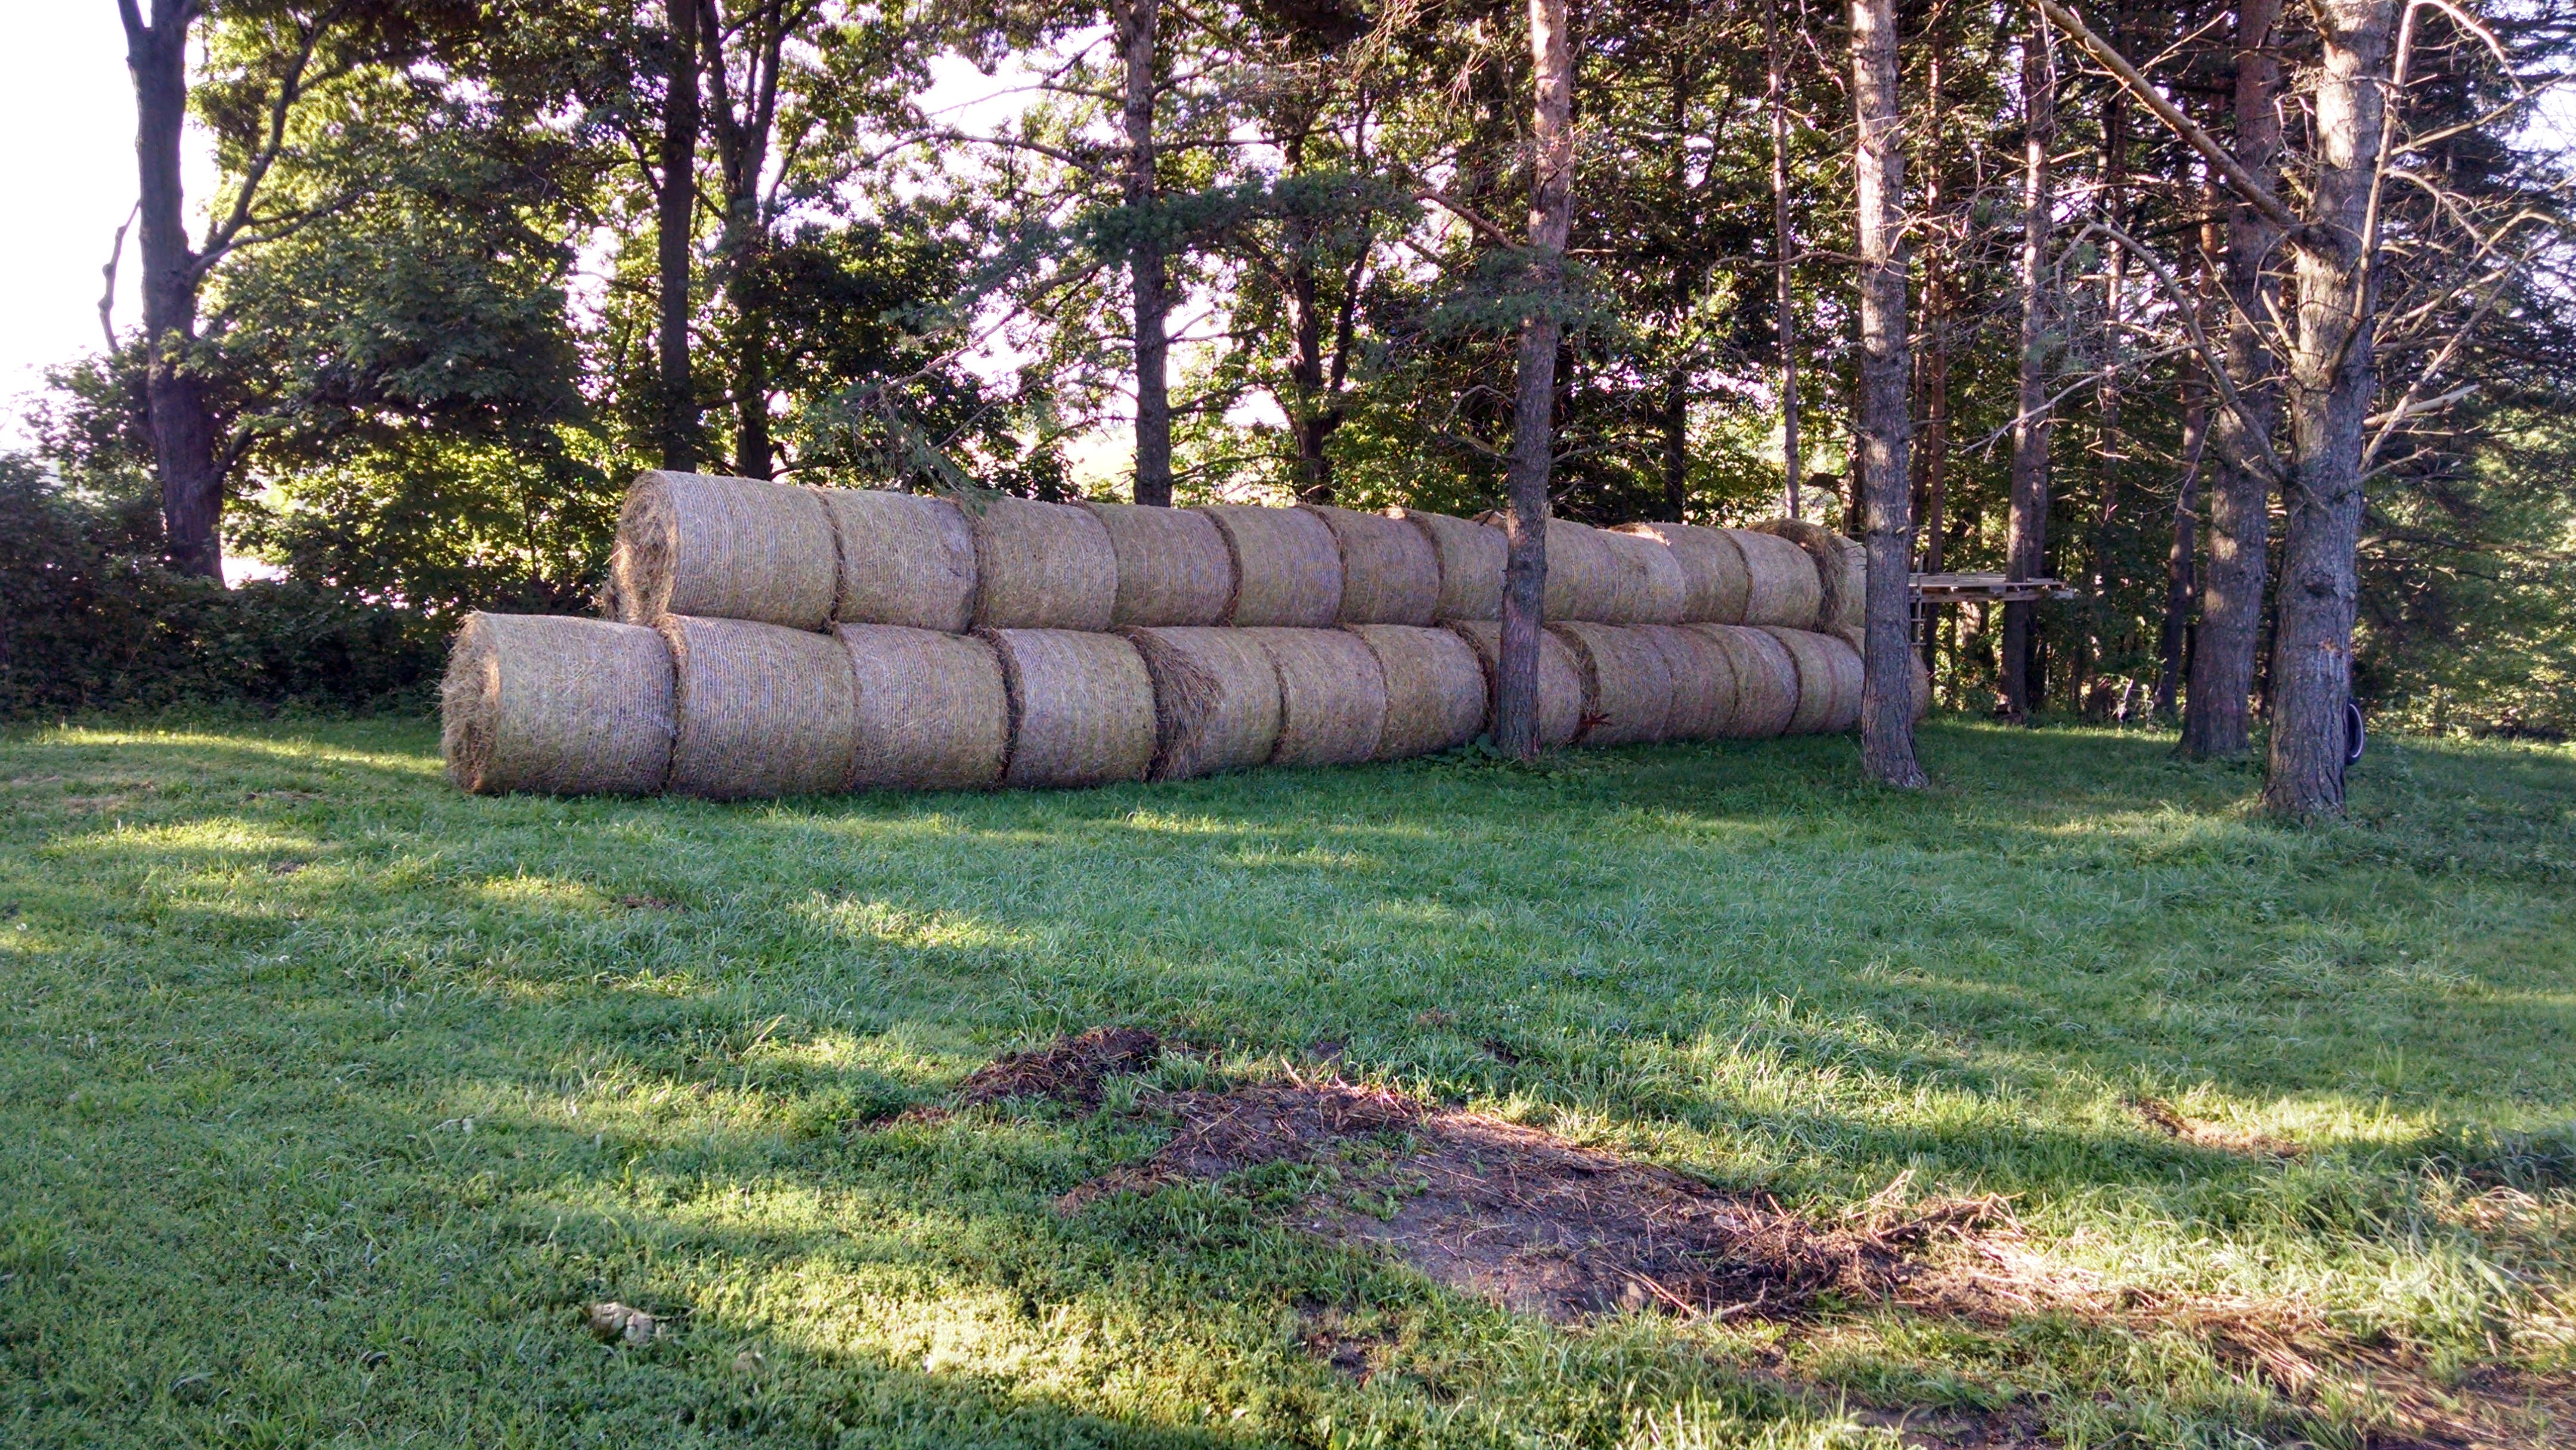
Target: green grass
(331,1096)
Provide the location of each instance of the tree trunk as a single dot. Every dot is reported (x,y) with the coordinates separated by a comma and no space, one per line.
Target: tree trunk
(1786,317)
(2183,554)
(1148,275)
(2026,528)
(1932,376)
(1884,426)
(756,456)
(185,450)
(2216,718)
(675,207)
(2331,382)
(1533,456)
(1675,423)
(2106,401)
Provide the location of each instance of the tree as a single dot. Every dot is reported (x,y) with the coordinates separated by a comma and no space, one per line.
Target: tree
(1884,427)
(2027,529)
(675,230)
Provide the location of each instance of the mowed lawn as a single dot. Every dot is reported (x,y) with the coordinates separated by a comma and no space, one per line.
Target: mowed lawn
(330,1097)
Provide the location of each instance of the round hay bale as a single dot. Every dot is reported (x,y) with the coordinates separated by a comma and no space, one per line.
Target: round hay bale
(1332,696)
(1082,707)
(1287,567)
(1781,584)
(1390,575)
(1842,571)
(931,709)
(1173,567)
(1216,699)
(763,710)
(1041,566)
(906,558)
(1560,680)
(1829,680)
(1435,689)
(1703,675)
(1922,676)
(1714,584)
(727,548)
(1651,588)
(542,702)
(1627,687)
(1470,556)
(1585,580)
(1766,680)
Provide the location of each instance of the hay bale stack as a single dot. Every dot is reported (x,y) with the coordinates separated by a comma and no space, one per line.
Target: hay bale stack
(1216,699)
(931,709)
(1585,580)
(906,558)
(1041,566)
(1627,687)
(1332,696)
(1714,584)
(1287,568)
(1842,572)
(1435,689)
(1471,565)
(1560,680)
(1650,588)
(1921,674)
(1829,680)
(1766,680)
(1081,706)
(551,703)
(732,548)
(1703,676)
(763,710)
(1390,574)
(1173,568)
(1781,584)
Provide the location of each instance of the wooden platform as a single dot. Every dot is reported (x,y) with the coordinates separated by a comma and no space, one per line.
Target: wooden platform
(1985,588)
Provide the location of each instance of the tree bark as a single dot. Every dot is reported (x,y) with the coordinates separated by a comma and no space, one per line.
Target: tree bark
(2216,719)
(2106,400)
(2330,385)
(1884,427)
(1791,464)
(2182,555)
(1533,455)
(185,448)
(1148,272)
(2026,527)
(1932,376)
(675,214)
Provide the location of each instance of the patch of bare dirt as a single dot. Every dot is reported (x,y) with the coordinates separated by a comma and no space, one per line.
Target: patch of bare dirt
(1070,1069)
(2174,1123)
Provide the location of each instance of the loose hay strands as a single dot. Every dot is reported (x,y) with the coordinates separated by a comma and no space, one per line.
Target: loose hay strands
(1173,565)
(1703,675)
(1627,687)
(1082,707)
(1471,565)
(1781,583)
(730,548)
(1041,565)
(1435,689)
(763,710)
(1842,572)
(931,710)
(1287,567)
(1714,584)
(1390,573)
(1652,589)
(1560,680)
(551,703)
(1766,680)
(1829,680)
(1216,699)
(906,558)
(1332,696)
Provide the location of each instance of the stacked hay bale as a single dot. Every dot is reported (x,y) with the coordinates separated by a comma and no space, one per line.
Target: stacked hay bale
(1216,699)
(567,706)
(1435,689)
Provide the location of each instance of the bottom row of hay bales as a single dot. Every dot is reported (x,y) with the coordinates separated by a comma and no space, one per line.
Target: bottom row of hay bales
(728,709)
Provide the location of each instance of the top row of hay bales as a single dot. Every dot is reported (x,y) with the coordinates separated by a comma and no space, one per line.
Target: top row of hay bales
(735,548)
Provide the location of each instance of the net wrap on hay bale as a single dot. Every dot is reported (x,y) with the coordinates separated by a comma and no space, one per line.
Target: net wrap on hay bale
(1041,565)
(1435,689)
(1627,687)
(1082,707)
(731,548)
(1173,565)
(763,710)
(1390,573)
(1842,572)
(1332,696)
(1703,676)
(1766,680)
(1287,566)
(1470,555)
(1781,583)
(1651,587)
(540,702)
(1216,699)
(906,558)
(1829,681)
(931,709)
(1560,680)
(1714,584)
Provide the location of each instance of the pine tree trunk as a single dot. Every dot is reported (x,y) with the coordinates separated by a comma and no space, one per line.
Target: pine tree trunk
(1883,428)
(1533,454)
(1148,277)
(675,205)
(2026,527)
(1785,313)
(2182,555)
(185,448)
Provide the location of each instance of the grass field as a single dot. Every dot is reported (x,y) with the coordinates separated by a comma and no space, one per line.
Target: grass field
(332,1097)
